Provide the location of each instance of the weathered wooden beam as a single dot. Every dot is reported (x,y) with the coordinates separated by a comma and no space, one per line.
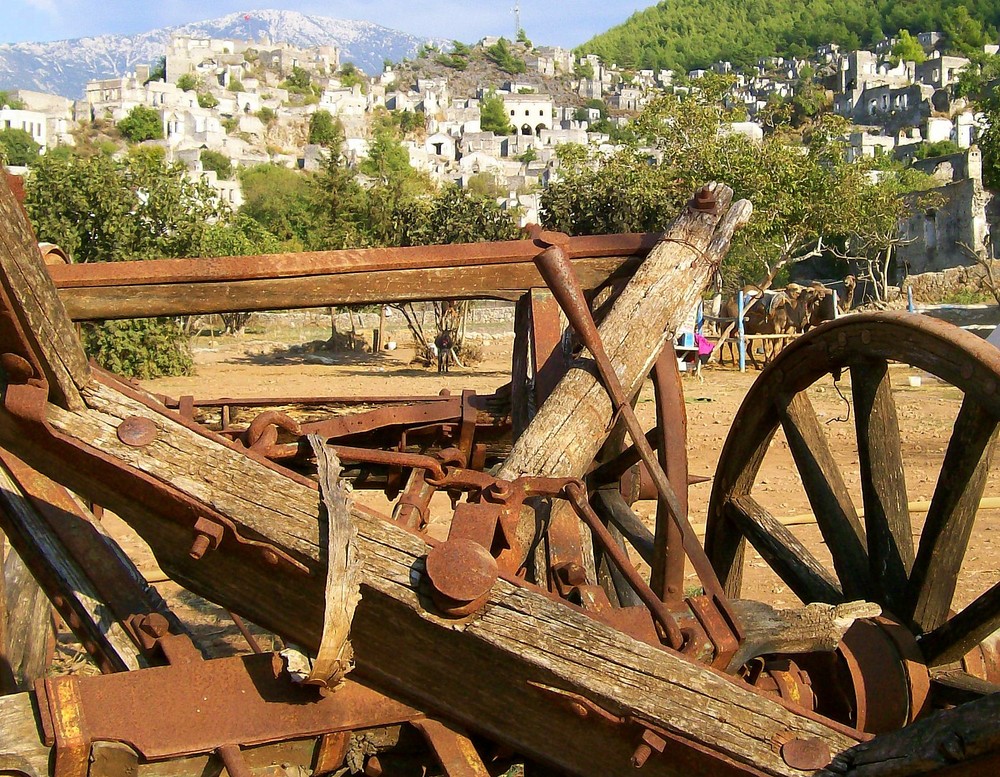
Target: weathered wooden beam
(284,281)
(570,428)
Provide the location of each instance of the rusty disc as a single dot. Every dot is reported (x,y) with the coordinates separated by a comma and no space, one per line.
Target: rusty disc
(137,431)
(461,570)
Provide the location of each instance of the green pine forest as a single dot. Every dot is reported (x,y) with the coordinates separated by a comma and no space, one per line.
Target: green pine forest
(686,34)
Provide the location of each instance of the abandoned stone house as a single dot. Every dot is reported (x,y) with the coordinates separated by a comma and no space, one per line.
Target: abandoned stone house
(528,113)
(948,225)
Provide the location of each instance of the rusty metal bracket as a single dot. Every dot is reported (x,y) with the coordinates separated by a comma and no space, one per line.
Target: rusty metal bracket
(201,707)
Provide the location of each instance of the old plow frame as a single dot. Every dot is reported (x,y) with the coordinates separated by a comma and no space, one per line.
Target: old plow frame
(529,634)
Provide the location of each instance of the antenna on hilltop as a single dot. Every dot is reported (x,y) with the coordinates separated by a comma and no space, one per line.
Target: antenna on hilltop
(516,10)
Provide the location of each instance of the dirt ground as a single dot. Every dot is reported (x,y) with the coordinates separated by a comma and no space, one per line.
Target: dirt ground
(264,363)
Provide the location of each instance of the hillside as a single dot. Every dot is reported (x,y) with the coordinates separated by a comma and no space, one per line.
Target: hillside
(64,67)
(695,33)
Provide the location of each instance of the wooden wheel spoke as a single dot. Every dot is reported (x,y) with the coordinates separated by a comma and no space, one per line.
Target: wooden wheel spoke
(951,687)
(945,536)
(824,484)
(883,484)
(783,552)
(957,636)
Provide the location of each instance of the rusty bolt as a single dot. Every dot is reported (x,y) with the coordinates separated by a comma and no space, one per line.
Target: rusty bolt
(373,767)
(805,753)
(650,741)
(136,431)
(704,200)
(154,624)
(641,755)
(461,573)
(270,557)
(200,546)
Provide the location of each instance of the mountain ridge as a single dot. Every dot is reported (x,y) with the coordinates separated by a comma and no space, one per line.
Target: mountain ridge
(64,67)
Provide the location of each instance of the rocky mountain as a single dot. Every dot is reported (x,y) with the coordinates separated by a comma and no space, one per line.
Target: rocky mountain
(64,67)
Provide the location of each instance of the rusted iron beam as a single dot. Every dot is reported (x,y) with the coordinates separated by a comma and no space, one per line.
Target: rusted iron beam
(97,291)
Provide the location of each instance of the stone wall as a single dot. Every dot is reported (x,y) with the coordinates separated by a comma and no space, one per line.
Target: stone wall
(948,284)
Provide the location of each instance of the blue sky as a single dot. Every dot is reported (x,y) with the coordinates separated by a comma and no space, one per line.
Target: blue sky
(554,22)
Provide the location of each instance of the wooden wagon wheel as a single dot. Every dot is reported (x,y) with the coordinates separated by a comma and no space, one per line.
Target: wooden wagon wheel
(877,559)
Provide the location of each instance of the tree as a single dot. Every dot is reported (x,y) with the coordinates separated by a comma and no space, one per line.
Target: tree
(963,34)
(908,49)
(218,162)
(299,80)
(17,147)
(280,200)
(158,71)
(807,201)
(141,124)
(493,115)
(207,100)
(325,130)
(103,209)
(501,55)
(350,76)
(187,82)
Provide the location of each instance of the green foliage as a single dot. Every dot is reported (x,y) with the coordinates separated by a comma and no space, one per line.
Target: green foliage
(140,348)
(528,156)
(908,48)
(458,58)
(101,209)
(455,215)
(485,185)
(298,82)
(207,100)
(693,34)
(12,102)
(493,115)
(799,195)
(940,148)
(266,115)
(142,123)
(187,82)
(325,130)
(522,38)
(217,162)
(501,55)
(409,121)
(350,77)
(158,72)
(584,69)
(17,147)
(963,33)
(279,199)
(236,86)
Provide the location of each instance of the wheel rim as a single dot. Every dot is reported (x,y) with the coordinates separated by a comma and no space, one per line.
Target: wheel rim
(876,559)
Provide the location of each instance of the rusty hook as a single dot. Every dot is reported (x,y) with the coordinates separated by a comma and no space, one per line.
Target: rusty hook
(263,430)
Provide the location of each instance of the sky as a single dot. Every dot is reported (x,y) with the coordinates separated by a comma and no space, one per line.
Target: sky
(547,22)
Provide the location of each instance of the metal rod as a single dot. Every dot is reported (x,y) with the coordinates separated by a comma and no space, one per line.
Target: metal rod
(557,270)
(578,498)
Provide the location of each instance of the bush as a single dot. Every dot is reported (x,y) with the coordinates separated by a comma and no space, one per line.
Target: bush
(217,162)
(141,124)
(17,147)
(187,83)
(140,348)
(207,100)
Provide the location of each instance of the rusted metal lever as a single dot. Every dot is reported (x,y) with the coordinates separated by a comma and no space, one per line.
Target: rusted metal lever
(557,271)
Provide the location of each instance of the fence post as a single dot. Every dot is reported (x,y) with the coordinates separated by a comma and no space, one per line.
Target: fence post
(740,334)
(909,300)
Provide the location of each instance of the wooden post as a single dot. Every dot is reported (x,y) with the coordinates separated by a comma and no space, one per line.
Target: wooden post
(740,332)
